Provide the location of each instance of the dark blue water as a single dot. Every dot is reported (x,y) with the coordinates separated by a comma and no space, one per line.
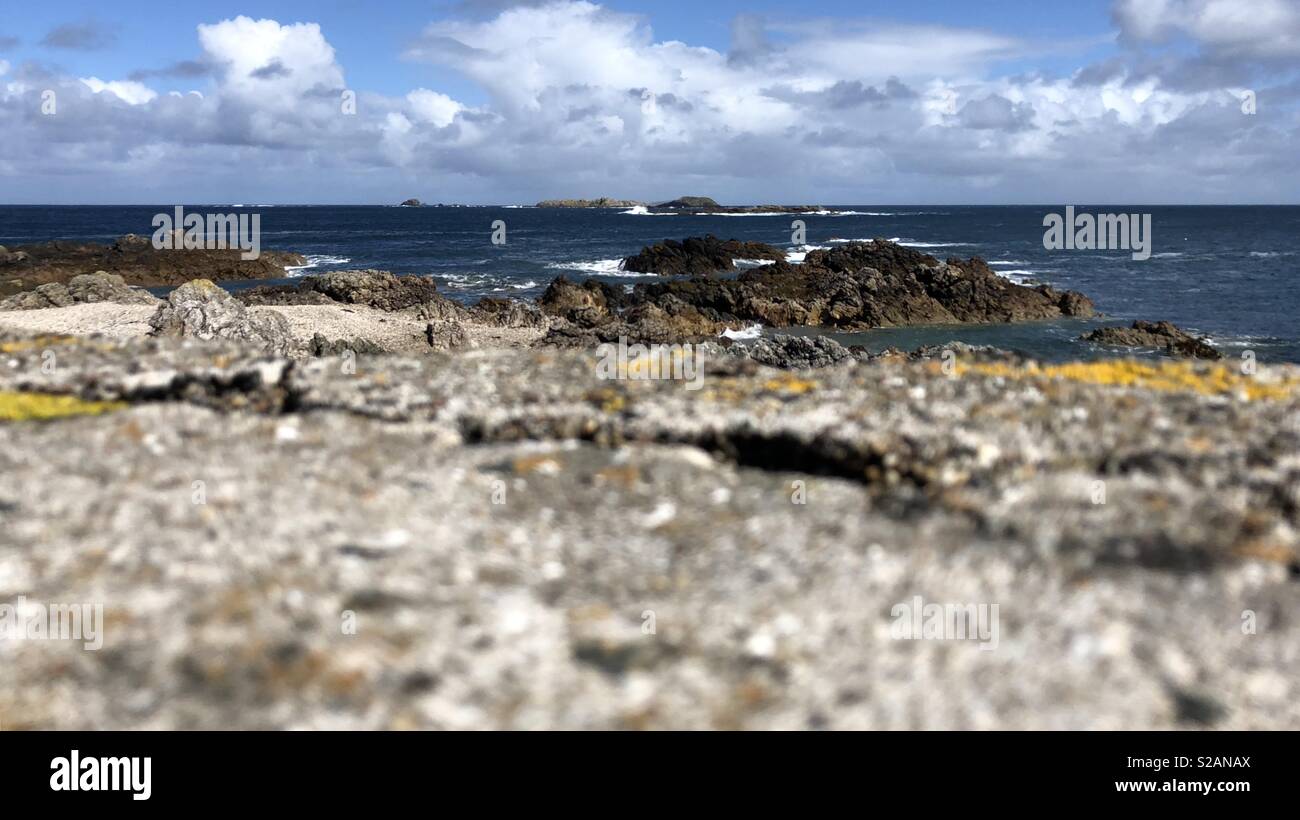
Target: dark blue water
(1232,273)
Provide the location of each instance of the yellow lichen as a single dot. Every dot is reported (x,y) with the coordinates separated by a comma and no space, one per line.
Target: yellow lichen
(790,385)
(36,343)
(44,406)
(1169,376)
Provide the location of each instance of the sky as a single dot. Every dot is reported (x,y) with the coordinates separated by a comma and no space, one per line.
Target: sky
(747,101)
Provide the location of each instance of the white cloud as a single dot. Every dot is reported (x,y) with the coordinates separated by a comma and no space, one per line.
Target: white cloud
(1262,28)
(125,90)
(434,108)
(582,100)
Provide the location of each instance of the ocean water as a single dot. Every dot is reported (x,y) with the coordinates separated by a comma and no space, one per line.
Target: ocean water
(1231,273)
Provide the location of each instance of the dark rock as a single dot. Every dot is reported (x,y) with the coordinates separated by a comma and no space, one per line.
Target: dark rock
(412,203)
(698,256)
(507,313)
(690,202)
(378,289)
(585,303)
(135,259)
(1159,335)
(865,285)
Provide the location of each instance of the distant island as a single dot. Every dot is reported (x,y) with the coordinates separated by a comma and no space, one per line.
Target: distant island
(603,202)
(412,203)
(684,203)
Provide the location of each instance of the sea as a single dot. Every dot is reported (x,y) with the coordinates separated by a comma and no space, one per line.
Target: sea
(1229,273)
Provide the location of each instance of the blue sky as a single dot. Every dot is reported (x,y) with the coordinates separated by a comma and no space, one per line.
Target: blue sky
(500,101)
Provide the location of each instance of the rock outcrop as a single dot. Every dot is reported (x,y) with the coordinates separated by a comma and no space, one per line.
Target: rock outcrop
(766,525)
(87,287)
(201,310)
(865,285)
(698,256)
(378,289)
(412,203)
(1159,335)
(134,258)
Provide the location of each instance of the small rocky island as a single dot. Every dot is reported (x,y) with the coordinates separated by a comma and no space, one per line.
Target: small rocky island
(709,205)
(602,202)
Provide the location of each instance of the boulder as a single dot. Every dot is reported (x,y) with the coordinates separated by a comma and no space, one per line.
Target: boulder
(89,287)
(585,303)
(507,313)
(1159,335)
(321,346)
(201,310)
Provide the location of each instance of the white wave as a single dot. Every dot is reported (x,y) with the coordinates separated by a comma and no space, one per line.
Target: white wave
(1018,276)
(751,332)
(641,210)
(517,286)
(1169,255)
(1266,254)
(600,267)
(315,261)
(911,243)
(1007,262)
(754,263)
(797,255)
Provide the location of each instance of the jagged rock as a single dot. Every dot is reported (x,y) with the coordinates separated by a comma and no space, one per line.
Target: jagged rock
(865,285)
(282,295)
(375,288)
(445,335)
(507,313)
(1159,335)
(698,256)
(88,287)
(793,352)
(201,310)
(585,304)
(320,346)
(378,289)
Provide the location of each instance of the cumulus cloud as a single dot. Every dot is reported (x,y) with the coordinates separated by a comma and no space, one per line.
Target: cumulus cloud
(128,92)
(1259,28)
(578,99)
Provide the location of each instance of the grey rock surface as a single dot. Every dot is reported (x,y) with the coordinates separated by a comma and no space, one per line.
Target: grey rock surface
(84,288)
(501,539)
(202,310)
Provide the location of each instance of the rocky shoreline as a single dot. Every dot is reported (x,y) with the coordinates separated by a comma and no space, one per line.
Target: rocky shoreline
(351,502)
(853,287)
(132,257)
